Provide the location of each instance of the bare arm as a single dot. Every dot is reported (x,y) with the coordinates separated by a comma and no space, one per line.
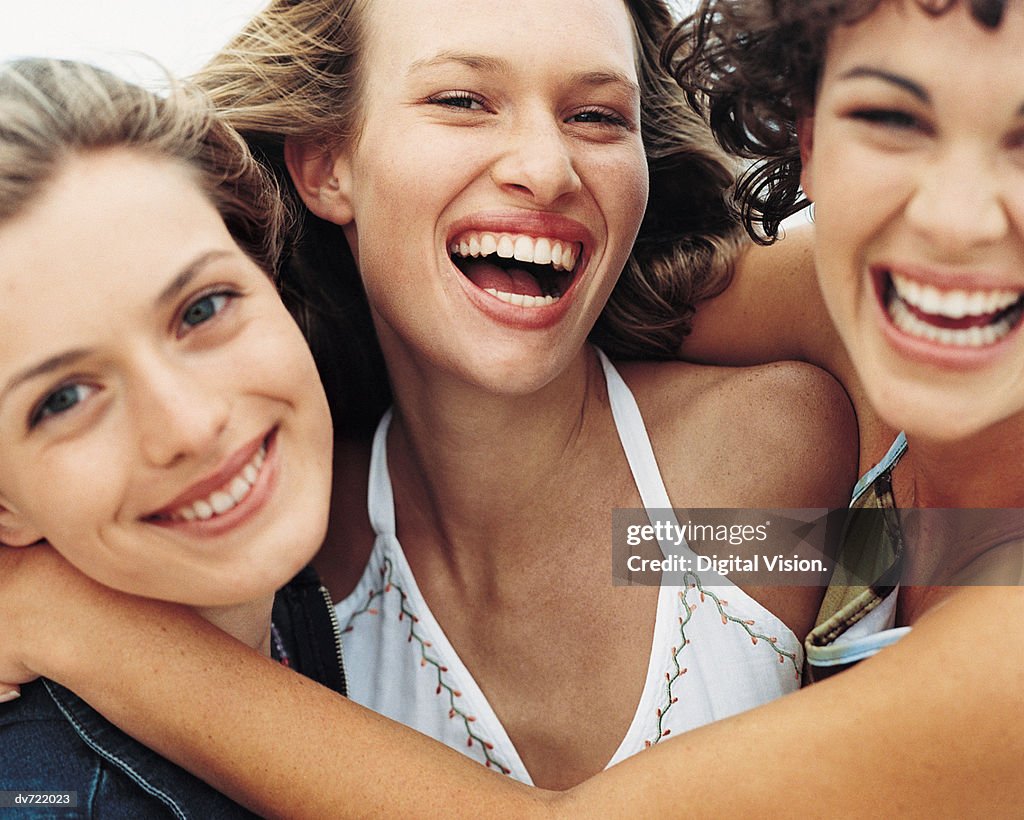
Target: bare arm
(904,730)
(773,311)
(266,736)
(927,728)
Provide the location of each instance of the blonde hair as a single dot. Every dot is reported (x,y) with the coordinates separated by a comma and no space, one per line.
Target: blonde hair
(51,110)
(295,71)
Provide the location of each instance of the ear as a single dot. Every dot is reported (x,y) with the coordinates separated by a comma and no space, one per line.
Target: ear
(15,531)
(805,136)
(323,179)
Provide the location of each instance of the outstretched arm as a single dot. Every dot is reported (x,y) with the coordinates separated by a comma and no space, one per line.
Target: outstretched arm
(905,729)
(263,734)
(773,311)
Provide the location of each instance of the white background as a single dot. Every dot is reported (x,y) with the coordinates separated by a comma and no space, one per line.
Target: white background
(180,34)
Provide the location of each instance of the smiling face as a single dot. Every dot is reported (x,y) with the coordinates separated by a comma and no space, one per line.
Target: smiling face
(498,181)
(915,161)
(161,419)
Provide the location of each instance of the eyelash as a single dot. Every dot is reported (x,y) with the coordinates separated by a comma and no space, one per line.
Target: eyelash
(608,117)
(887,117)
(455,99)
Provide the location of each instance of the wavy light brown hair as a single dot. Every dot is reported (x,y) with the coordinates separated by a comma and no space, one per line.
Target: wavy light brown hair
(51,110)
(295,72)
(752,68)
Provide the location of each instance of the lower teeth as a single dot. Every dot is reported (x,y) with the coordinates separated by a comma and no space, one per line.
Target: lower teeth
(977,336)
(521,299)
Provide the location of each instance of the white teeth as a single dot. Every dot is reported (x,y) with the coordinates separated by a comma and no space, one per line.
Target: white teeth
(538,250)
(221,502)
(952,304)
(521,299)
(228,497)
(975,336)
(523,249)
(542,252)
(239,488)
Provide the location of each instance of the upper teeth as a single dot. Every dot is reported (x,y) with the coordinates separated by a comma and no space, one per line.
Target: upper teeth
(959,337)
(953,304)
(539,250)
(228,496)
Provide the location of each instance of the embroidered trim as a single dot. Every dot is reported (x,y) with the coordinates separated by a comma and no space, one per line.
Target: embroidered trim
(454,710)
(283,657)
(690,582)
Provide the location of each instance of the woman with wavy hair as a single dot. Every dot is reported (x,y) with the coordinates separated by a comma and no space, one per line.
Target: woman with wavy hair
(495,211)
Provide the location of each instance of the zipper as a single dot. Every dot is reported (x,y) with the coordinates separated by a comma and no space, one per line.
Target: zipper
(339,652)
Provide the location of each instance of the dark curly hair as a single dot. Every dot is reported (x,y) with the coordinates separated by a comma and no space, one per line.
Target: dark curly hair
(752,67)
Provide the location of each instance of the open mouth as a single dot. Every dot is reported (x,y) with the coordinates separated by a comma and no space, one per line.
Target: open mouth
(525,271)
(955,318)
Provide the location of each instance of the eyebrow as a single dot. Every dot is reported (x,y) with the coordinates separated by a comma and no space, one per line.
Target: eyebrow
(191,271)
(499,65)
(70,357)
(886,76)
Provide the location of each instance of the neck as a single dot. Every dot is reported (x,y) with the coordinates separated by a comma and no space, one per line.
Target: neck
(983,471)
(248,622)
(471,467)
(972,490)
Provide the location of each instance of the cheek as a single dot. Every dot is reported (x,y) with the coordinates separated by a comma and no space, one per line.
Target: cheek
(621,187)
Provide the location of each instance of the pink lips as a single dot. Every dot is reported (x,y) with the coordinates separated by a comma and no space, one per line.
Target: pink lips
(528,223)
(928,351)
(257,495)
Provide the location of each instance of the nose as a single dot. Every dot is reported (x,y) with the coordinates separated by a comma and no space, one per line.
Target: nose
(959,202)
(536,161)
(180,414)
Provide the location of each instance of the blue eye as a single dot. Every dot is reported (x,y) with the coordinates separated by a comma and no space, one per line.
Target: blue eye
(60,401)
(204,309)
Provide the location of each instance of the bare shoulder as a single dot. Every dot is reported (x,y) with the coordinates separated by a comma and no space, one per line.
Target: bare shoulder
(776,435)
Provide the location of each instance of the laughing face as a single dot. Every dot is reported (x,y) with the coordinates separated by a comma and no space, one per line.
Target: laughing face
(497,184)
(161,419)
(915,161)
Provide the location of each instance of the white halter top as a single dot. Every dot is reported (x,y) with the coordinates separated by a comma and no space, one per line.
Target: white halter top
(715,650)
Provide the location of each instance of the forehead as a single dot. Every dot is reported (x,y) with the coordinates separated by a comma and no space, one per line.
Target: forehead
(900,33)
(102,238)
(575,35)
